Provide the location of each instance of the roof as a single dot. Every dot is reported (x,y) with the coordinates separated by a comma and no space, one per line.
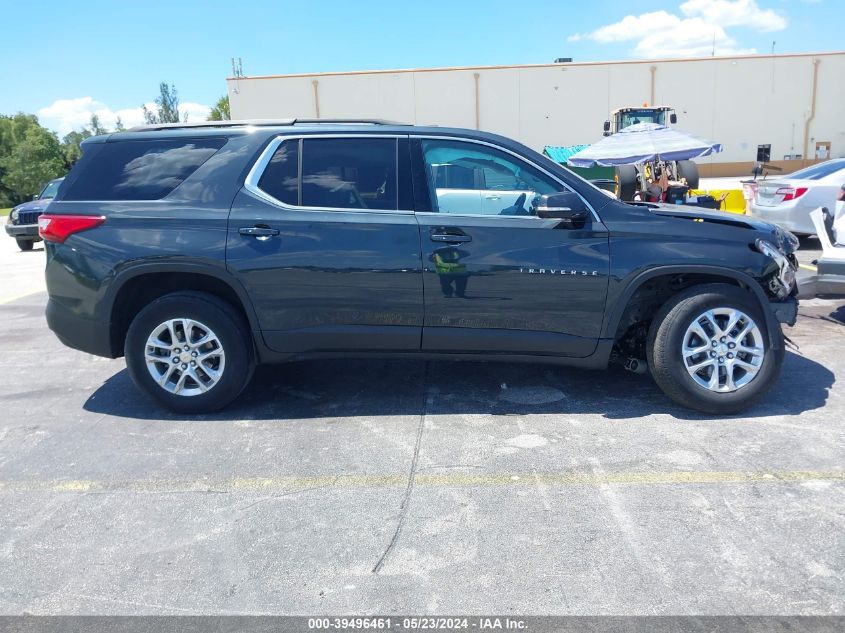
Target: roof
(270,127)
(708,58)
(258,123)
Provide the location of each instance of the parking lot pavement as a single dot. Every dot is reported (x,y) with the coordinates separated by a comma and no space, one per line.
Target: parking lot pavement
(22,273)
(414,487)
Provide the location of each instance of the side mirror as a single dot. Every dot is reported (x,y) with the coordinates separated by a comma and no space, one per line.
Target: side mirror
(35,196)
(566,206)
(607,126)
(673,118)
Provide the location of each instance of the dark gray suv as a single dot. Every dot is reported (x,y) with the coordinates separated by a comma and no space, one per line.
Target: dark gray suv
(198,251)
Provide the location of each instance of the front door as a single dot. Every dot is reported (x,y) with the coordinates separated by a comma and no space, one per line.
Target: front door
(497,277)
(325,241)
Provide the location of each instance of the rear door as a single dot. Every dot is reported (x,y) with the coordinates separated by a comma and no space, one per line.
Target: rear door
(504,280)
(324,238)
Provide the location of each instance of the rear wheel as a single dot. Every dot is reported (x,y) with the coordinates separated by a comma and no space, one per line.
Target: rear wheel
(25,245)
(627,183)
(709,349)
(189,351)
(688,170)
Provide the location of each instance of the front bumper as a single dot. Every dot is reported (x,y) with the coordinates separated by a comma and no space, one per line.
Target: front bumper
(22,231)
(785,311)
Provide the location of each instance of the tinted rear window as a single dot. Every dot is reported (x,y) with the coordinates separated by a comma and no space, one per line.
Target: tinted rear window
(349,173)
(817,172)
(140,170)
(281,177)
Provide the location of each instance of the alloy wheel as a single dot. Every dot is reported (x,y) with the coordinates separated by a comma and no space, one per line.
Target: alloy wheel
(184,357)
(723,349)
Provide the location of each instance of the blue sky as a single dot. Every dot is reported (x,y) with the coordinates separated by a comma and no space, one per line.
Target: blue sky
(64,60)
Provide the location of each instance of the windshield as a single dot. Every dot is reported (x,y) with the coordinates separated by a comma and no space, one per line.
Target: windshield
(817,172)
(643,115)
(50,190)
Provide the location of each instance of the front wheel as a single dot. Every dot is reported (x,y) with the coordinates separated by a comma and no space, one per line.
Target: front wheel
(627,182)
(25,245)
(688,170)
(190,351)
(709,349)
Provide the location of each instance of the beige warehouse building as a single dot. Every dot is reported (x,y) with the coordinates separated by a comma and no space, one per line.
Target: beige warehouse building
(778,107)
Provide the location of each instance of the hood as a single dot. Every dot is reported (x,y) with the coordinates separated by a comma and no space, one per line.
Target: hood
(33,205)
(784,240)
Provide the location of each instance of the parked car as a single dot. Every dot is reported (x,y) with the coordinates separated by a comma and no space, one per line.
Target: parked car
(200,250)
(23,219)
(829,278)
(788,200)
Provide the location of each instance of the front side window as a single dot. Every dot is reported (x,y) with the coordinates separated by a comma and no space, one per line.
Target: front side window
(472,179)
(139,170)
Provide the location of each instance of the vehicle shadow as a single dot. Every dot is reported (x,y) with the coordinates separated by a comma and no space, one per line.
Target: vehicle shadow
(348,388)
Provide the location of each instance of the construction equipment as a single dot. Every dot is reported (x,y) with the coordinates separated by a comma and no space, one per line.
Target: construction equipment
(635,179)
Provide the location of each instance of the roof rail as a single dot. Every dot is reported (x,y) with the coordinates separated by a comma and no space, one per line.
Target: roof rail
(257,123)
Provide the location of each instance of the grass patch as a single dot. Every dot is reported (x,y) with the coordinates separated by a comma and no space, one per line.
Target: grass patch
(4,212)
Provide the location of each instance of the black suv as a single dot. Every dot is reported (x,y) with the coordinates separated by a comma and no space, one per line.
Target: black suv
(198,251)
(23,219)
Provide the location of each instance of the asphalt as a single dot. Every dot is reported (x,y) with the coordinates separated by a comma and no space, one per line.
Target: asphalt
(412,487)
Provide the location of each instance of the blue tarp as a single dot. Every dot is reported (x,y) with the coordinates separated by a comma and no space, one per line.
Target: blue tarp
(562,154)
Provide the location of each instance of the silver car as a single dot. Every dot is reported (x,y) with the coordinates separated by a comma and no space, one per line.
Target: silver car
(788,200)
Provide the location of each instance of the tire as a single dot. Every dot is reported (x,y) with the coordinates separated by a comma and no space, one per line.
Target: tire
(689,170)
(627,182)
(25,245)
(673,326)
(211,383)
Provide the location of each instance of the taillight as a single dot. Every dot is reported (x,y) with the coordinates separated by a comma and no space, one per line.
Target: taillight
(57,228)
(791,193)
(841,195)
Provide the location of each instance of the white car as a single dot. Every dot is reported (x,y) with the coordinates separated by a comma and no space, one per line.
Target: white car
(788,200)
(839,218)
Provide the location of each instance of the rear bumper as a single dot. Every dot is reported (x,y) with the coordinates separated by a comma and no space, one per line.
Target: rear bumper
(22,231)
(79,333)
(822,286)
(794,219)
(828,281)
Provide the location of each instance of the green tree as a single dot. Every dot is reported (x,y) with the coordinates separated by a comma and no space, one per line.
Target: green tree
(118,126)
(30,155)
(95,126)
(167,104)
(71,150)
(220,111)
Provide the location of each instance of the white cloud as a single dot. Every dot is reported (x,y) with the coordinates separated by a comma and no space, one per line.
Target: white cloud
(633,27)
(65,115)
(734,13)
(697,33)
